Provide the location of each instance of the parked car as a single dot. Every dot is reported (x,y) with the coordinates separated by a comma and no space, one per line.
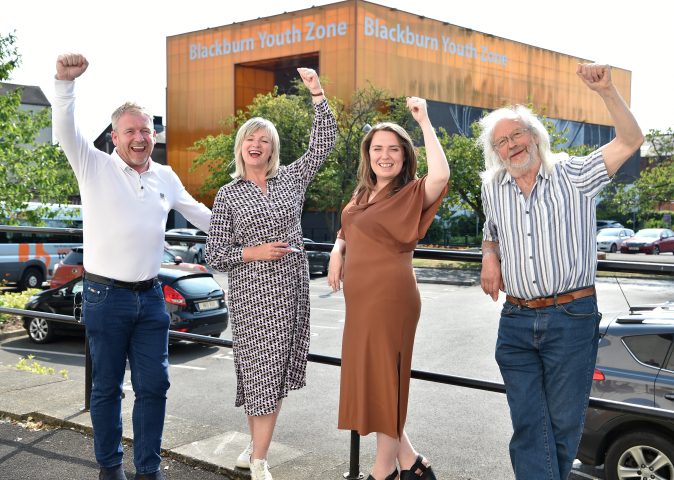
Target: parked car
(635,364)
(650,240)
(194,301)
(71,266)
(318,261)
(611,239)
(608,224)
(189,251)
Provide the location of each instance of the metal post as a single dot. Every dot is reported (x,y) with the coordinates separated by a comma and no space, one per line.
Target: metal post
(87,375)
(354,458)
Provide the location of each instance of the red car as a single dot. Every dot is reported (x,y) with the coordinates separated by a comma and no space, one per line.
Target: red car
(71,266)
(650,240)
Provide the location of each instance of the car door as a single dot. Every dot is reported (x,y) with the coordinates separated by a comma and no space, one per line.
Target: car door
(664,384)
(667,243)
(631,373)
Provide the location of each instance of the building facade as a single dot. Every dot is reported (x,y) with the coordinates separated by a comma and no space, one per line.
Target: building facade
(212,73)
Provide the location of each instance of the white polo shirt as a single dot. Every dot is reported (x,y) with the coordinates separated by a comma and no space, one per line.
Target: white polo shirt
(124,212)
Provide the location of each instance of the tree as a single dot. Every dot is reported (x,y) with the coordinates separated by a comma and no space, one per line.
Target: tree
(29,171)
(289,113)
(653,187)
(335,182)
(292,116)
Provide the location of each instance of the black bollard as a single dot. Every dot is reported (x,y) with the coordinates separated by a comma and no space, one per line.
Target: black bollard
(354,458)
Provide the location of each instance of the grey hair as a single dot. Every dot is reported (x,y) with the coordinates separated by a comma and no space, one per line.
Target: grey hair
(493,165)
(251,126)
(129,107)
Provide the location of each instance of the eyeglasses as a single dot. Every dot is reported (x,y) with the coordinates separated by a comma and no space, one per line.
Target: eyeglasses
(514,136)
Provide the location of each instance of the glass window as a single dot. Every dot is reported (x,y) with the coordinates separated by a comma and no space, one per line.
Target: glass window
(649,349)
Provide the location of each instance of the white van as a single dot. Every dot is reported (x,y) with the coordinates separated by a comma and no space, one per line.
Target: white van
(28,259)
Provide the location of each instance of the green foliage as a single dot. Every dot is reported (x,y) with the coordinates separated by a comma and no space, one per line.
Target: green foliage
(466,162)
(289,113)
(15,300)
(653,187)
(28,364)
(336,180)
(29,171)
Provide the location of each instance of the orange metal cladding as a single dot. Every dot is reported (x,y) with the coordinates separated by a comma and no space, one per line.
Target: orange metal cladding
(213,72)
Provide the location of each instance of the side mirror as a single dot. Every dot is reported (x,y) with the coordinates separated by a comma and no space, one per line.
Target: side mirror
(178,260)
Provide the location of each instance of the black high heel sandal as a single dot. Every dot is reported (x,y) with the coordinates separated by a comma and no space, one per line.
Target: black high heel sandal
(392,476)
(411,474)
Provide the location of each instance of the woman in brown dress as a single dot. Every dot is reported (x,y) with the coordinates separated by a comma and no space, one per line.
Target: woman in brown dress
(256,237)
(390,211)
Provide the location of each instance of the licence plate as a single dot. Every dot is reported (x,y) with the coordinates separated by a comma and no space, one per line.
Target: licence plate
(635,249)
(210,305)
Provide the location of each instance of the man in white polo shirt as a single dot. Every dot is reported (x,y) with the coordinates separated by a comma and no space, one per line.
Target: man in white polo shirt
(126,198)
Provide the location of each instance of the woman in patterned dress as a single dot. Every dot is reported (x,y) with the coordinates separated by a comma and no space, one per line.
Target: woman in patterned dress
(256,236)
(390,211)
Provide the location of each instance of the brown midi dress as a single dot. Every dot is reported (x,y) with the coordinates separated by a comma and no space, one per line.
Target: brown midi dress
(382,307)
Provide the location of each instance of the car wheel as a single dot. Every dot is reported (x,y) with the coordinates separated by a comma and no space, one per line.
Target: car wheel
(40,330)
(614,248)
(32,278)
(656,251)
(640,455)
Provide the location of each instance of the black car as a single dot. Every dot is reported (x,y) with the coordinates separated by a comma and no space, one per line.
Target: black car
(194,301)
(318,261)
(635,364)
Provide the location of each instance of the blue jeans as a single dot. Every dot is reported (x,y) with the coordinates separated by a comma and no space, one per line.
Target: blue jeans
(547,357)
(121,324)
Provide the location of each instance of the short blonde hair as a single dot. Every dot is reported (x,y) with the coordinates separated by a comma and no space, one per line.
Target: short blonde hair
(247,129)
(129,107)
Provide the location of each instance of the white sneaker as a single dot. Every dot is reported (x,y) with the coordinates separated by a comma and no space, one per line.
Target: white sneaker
(243,460)
(259,470)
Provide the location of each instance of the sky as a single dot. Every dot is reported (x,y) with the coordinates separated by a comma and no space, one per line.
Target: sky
(125,42)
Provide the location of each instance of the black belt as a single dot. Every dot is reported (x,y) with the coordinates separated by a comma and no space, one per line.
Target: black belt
(136,286)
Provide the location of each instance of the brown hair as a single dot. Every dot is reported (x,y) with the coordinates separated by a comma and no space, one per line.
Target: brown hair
(366,176)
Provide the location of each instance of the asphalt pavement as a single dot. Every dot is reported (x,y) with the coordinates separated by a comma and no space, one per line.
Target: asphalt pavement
(46,434)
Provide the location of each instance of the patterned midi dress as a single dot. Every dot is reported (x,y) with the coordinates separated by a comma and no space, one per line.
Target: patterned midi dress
(382,306)
(268,300)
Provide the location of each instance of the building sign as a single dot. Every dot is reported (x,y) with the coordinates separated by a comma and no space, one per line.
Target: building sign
(403,34)
(373,28)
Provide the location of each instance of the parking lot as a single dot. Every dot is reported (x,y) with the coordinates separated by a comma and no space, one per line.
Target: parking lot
(464,432)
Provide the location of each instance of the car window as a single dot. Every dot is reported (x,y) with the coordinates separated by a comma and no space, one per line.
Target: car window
(649,349)
(74,258)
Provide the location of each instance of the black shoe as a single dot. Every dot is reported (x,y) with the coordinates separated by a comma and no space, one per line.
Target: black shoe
(425,472)
(113,473)
(393,476)
(158,475)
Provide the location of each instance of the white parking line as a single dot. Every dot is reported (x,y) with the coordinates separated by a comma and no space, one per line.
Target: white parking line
(328,309)
(187,367)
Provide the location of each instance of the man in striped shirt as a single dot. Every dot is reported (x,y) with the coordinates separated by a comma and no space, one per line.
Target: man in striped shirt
(539,247)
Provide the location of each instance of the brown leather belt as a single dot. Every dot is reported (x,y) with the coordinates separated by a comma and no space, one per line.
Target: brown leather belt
(559,299)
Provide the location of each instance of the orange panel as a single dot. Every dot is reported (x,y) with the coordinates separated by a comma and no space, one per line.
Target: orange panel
(360,42)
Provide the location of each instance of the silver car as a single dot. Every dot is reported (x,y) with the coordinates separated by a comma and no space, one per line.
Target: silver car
(192,252)
(610,239)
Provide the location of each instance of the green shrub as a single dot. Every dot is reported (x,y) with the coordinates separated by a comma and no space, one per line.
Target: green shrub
(15,300)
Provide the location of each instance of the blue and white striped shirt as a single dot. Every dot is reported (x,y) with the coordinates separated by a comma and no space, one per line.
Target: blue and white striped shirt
(548,240)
